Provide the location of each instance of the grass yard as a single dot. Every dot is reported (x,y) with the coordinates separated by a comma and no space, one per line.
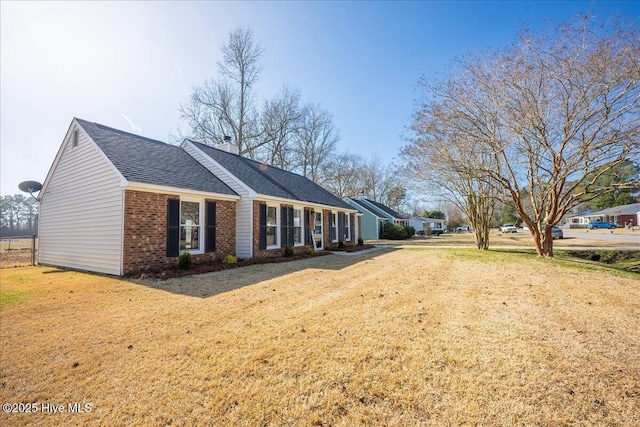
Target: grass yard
(394,337)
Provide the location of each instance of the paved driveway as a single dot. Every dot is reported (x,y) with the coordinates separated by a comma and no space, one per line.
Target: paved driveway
(609,237)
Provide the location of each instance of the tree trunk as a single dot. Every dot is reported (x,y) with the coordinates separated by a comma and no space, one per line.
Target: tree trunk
(482,236)
(543,242)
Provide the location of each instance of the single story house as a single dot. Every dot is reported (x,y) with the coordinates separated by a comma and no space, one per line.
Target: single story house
(422,224)
(374,216)
(118,203)
(622,215)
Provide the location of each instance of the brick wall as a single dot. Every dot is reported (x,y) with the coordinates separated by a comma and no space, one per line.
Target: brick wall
(145,231)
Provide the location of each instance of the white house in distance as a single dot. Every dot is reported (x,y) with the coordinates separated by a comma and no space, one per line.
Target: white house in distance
(423,224)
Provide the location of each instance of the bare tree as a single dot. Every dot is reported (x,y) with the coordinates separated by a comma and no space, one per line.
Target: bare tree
(284,133)
(227,106)
(442,161)
(281,121)
(342,174)
(555,111)
(394,197)
(315,143)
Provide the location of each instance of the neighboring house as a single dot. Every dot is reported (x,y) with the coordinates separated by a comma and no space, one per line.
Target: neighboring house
(371,223)
(421,223)
(622,215)
(374,215)
(118,203)
(576,221)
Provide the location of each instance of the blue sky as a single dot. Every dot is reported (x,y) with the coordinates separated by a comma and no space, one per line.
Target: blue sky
(129,65)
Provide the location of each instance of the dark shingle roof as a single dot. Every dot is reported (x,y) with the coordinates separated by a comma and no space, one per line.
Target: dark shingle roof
(272,181)
(148,161)
(386,209)
(366,207)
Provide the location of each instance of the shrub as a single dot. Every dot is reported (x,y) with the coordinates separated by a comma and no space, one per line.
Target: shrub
(360,241)
(287,251)
(393,231)
(230,259)
(410,230)
(185,261)
(312,251)
(341,244)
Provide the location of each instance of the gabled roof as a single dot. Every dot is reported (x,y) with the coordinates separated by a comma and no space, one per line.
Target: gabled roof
(630,209)
(271,181)
(361,206)
(149,161)
(385,210)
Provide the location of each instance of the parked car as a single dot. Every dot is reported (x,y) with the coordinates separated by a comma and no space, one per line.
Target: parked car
(508,228)
(556,232)
(463,228)
(437,231)
(600,224)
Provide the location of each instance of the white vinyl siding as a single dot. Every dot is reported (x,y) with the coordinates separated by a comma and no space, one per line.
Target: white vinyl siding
(81,211)
(244,206)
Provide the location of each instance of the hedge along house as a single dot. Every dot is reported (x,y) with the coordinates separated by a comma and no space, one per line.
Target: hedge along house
(118,203)
(277,208)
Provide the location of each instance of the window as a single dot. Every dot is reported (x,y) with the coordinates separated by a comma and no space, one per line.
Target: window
(347,228)
(190,226)
(334,227)
(272,227)
(297,227)
(317,229)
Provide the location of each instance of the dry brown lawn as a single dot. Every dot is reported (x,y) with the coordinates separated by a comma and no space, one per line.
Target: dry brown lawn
(401,338)
(521,238)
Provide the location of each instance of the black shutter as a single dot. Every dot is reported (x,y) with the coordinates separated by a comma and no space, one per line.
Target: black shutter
(290,226)
(210,237)
(352,218)
(263,226)
(341,232)
(173,227)
(284,229)
(307,227)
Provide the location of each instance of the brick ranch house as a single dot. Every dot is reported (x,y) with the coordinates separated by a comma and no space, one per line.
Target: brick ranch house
(118,203)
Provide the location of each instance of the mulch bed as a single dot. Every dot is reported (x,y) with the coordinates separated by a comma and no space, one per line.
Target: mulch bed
(208,267)
(352,248)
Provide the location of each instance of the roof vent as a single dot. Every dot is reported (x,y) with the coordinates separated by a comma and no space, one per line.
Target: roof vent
(228,146)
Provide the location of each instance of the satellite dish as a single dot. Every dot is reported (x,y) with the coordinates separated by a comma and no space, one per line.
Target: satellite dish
(30,187)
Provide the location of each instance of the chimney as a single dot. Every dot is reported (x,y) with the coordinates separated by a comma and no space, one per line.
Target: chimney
(228,146)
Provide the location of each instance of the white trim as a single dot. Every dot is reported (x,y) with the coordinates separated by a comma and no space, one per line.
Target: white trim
(336,226)
(235,179)
(201,226)
(302,233)
(278,230)
(313,229)
(153,188)
(122,233)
